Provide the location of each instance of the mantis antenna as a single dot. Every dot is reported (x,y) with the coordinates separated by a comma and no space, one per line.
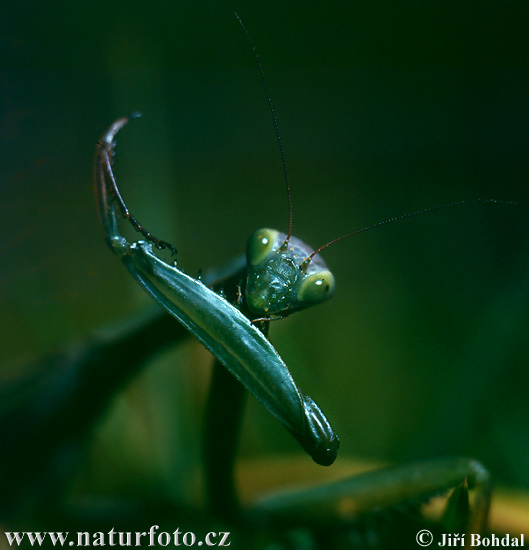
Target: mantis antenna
(276,126)
(306,262)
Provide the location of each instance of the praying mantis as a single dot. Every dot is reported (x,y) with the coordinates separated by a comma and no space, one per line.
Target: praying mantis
(378,490)
(281,275)
(277,279)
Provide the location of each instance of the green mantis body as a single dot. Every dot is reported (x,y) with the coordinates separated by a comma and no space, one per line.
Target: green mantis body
(221,327)
(280,278)
(81,384)
(282,275)
(229,314)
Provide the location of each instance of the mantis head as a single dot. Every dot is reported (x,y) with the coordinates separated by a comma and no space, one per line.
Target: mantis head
(280,280)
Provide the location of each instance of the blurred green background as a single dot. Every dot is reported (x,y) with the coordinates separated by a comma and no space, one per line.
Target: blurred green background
(384,108)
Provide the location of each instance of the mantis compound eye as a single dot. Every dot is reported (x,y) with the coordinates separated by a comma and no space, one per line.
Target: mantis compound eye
(317,288)
(260,244)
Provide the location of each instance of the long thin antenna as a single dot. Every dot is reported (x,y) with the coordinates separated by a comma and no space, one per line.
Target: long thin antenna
(306,262)
(280,142)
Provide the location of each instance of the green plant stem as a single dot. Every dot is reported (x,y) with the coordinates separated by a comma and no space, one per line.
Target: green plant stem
(224,412)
